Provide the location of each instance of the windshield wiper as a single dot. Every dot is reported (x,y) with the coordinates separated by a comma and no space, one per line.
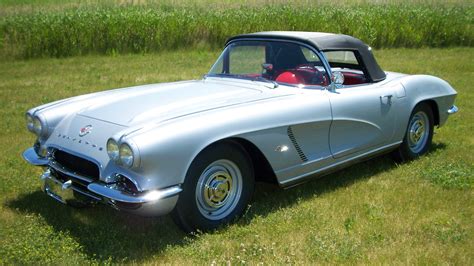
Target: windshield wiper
(260,78)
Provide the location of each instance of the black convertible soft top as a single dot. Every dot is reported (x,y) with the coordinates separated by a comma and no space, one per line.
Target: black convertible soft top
(326,42)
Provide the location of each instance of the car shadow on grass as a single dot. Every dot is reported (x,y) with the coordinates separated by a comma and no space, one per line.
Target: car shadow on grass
(105,234)
(102,232)
(270,197)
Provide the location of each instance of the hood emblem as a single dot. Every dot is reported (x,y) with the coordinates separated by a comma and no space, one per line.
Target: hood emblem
(85,130)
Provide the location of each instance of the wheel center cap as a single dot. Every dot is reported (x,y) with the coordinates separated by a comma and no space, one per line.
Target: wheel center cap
(219,189)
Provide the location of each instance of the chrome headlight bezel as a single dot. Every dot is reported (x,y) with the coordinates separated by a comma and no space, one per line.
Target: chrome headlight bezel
(37,126)
(29,122)
(127,156)
(113,150)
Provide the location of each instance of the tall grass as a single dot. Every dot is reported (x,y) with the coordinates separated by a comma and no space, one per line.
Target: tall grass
(139,29)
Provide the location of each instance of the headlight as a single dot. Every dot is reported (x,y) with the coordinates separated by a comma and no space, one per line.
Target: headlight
(113,150)
(37,126)
(29,122)
(126,155)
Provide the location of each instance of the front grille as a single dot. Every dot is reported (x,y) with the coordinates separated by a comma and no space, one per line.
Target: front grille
(77,164)
(78,185)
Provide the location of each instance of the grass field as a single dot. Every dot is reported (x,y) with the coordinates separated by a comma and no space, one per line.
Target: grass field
(374,212)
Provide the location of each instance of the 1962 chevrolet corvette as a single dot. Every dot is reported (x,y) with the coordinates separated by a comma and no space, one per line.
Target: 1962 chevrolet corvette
(284,105)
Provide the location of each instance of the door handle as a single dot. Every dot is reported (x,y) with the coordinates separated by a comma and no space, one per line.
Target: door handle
(389,99)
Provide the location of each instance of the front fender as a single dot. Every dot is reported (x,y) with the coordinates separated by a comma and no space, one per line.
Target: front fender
(168,150)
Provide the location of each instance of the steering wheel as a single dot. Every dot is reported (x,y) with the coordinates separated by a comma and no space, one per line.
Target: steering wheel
(312,75)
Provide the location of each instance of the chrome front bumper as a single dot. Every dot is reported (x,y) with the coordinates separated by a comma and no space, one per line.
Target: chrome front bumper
(149,203)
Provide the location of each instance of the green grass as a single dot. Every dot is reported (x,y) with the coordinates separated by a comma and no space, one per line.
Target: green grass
(374,212)
(106,29)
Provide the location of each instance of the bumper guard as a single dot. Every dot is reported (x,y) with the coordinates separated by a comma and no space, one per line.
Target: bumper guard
(454,109)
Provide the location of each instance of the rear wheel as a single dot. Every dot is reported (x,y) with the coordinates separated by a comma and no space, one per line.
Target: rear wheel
(217,188)
(419,134)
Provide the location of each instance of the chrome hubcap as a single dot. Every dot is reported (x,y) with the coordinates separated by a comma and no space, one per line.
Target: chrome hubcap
(218,190)
(418,132)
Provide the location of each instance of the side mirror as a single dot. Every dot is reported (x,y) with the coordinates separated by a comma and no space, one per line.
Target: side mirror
(337,78)
(267,67)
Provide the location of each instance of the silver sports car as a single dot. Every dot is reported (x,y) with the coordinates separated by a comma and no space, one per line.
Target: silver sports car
(284,105)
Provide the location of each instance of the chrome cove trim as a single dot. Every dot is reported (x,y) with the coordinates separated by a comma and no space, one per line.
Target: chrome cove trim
(300,152)
(454,109)
(33,158)
(330,168)
(109,192)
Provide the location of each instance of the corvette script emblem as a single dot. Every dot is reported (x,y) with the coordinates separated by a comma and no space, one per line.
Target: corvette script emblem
(85,130)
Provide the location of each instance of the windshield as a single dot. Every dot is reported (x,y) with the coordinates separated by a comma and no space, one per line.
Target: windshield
(275,61)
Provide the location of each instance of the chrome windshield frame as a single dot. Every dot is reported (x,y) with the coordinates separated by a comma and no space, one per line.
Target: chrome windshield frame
(320,55)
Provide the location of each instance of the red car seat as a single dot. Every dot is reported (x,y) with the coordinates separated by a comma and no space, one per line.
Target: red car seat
(302,74)
(291,77)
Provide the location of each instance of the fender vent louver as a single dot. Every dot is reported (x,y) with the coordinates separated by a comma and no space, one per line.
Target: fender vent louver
(295,144)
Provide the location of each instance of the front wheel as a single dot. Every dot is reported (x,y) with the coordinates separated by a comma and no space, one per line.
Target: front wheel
(217,188)
(419,134)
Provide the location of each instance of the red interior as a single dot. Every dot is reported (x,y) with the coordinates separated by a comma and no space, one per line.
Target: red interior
(351,78)
(291,77)
(302,74)
(308,75)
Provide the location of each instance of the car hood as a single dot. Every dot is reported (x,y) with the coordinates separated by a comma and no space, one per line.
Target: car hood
(143,104)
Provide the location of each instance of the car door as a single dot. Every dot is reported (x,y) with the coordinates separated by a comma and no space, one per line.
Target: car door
(363,118)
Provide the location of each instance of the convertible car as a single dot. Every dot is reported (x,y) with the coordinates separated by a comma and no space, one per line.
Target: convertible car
(281,106)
